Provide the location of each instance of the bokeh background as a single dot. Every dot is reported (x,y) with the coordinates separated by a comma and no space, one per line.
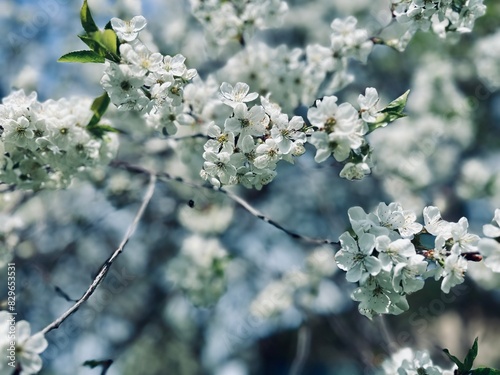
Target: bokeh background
(445,153)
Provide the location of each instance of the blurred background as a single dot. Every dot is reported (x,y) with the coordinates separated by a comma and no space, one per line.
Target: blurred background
(146,316)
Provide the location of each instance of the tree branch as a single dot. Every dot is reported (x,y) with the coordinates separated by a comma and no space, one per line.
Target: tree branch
(101,274)
(303,345)
(247,206)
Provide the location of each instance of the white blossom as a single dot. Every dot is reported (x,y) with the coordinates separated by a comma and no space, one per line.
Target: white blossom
(454,269)
(355,256)
(128,30)
(27,348)
(232,96)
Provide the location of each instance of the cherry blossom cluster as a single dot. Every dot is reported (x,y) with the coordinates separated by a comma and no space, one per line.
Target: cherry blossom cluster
(408,362)
(43,145)
(340,130)
(226,21)
(293,76)
(248,147)
(199,269)
(253,140)
(445,17)
(300,287)
(390,255)
(147,81)
(486,57)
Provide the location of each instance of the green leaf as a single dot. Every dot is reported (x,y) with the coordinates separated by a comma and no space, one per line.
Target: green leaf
(108,39)
(99,130)
(106,364)
(392,112)
(94,41)
(82,57)
(86,17)
(455,360)
(99,107)
(398,105)
(471,356)
(485,371)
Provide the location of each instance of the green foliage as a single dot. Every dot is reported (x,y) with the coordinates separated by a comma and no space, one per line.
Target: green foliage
(88,23)
(104,44)
(465,368)
(485,371)
(392,112)
(82,57)
(99,107)
(105,364)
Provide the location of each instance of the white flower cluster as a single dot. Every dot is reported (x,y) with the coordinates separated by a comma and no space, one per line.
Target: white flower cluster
(43,145)
(199,269)
(247,149)
(20,350)
(444,16)
(340,130)
(226,21)
(146,81)
(407,362)
(293,76)
(423,149)
(490,247)
(390,255)
(253,140)
(486,57)
(301,287)
(210,219)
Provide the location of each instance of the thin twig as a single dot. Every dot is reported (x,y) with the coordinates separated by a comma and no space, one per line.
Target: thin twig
(303,346)
(191,136)
(247,206)
(392,346)
(107,264)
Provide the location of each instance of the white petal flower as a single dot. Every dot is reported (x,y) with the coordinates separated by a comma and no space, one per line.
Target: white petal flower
(267,155)
(27,347)
(454,269)
(246,121)
(128,30)
(355,257)
(490,249)
(393,252)
(356,171)
(408,275)
(391,216)
(434,224)
(410,227)
(361,221)
(368,103)
(232,96)
(463,242)
(493,230)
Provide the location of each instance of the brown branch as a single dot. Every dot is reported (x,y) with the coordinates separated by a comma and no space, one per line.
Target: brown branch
(101,274)
(247,206)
